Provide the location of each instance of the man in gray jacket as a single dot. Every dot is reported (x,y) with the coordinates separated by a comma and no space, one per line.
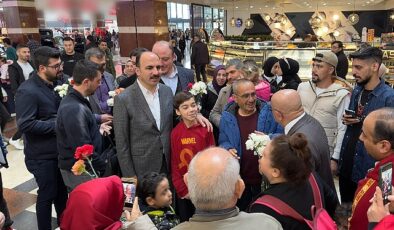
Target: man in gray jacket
(288,111)
(233,68)
(214,187)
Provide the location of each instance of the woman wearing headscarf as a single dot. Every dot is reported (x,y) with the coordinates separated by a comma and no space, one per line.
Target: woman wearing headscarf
(288,69)
(269,76)
(208,100)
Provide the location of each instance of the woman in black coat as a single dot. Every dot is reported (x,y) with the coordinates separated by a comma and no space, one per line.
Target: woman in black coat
(182,45)
(286,163)
(208,100)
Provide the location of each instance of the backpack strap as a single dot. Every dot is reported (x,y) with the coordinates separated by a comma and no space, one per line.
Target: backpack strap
(281,208)
(316,192)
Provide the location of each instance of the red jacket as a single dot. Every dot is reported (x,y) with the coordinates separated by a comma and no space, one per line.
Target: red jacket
(185,144)
(365,191)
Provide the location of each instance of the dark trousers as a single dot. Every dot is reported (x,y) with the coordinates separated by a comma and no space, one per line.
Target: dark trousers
(347,189)
(200,70)
(4,208)
(51,190)
(10,103)
(251,192)
(184,208)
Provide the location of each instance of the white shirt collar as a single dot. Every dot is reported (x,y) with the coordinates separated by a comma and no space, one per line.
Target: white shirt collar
(173,74)
(292,123)
(145,91)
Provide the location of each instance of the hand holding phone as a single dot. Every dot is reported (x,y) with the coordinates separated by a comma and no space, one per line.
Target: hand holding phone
(385,181)
(351,113)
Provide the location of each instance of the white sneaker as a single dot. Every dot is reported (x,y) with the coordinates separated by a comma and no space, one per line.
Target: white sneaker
(17,144)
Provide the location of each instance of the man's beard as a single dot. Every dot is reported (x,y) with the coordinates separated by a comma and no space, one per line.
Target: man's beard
(363,81)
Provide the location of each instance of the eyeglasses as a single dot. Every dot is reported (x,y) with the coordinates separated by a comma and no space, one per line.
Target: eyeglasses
(247,95)
(57,66)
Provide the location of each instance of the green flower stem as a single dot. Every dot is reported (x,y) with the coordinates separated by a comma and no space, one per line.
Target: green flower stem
(91,166)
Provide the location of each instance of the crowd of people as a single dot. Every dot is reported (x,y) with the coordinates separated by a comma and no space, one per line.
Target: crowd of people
(188,152)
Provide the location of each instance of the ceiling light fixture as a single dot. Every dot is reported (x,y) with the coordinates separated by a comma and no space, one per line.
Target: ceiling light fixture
(232,20)
(249,22)
(353,18)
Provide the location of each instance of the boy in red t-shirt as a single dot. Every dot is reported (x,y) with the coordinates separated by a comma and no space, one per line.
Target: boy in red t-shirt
(187,139)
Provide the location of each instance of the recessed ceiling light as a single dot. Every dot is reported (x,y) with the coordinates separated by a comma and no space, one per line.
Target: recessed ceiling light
(367,2)
(273,8)
(266,6)
(349,3)
(324,4)
(251,7)
(260,8)
(236,7)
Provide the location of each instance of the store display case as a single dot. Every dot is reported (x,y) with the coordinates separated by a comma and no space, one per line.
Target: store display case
(303,52)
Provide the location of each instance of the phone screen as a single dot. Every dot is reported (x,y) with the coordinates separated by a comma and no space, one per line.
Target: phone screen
(129,192)
(385,180)
(350,112)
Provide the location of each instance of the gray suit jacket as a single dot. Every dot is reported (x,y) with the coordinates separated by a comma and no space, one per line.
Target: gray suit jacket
(185,76)
(140,143)
(318,144)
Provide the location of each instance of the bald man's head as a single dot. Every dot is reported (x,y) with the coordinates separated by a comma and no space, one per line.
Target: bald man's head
(212,179)
(286,101)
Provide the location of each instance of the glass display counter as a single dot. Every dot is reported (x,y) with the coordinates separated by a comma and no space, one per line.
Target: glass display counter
(303,52)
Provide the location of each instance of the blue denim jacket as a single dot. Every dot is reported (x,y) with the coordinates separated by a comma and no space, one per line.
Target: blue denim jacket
(381,96)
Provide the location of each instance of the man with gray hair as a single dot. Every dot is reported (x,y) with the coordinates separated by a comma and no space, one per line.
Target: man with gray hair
(233,68)
(98,100)
(214,186)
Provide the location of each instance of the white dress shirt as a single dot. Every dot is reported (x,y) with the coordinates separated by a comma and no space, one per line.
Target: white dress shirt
(292,123)
(171,80)
(153,101)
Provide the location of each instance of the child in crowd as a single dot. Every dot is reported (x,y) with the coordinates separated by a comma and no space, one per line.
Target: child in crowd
(187,139)
(155,199)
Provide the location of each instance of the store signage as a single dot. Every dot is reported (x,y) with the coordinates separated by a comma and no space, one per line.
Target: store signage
(388,54)
(238,22)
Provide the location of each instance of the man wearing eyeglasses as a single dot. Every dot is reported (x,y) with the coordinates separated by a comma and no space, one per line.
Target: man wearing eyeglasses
(36,111)
(245,115)
(98,101)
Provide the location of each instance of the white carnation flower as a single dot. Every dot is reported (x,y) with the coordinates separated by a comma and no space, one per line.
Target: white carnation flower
(249,145)
(110,102)
(111,93)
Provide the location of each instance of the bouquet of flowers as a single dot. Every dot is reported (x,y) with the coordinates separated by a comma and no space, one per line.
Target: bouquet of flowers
(62,90)
(257,142)
(83,153)
(198,88)
(112,94)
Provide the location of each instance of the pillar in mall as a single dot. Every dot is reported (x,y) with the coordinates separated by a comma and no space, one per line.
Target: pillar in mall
(141,23)
(20,19)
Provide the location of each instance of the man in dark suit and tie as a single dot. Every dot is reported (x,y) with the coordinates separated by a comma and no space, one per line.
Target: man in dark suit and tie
(288,111)
(176,77)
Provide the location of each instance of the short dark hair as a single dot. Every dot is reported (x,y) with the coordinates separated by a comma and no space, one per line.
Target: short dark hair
(84,69)
(102,40)
(368,52)
(138,58)
(7,41)
(340,44)
(69,39)
(181,97)
(20,46)
(42,55)
(384,126)
(136,51)
(291,155)
(147,185)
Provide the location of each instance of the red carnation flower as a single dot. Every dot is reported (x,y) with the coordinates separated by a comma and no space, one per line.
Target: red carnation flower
(190,85)
(83,152)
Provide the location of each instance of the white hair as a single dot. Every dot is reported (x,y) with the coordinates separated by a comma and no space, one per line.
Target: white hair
(213,192)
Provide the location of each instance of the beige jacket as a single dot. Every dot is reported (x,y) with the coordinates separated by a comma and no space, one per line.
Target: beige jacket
(324,108)
(221,102)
